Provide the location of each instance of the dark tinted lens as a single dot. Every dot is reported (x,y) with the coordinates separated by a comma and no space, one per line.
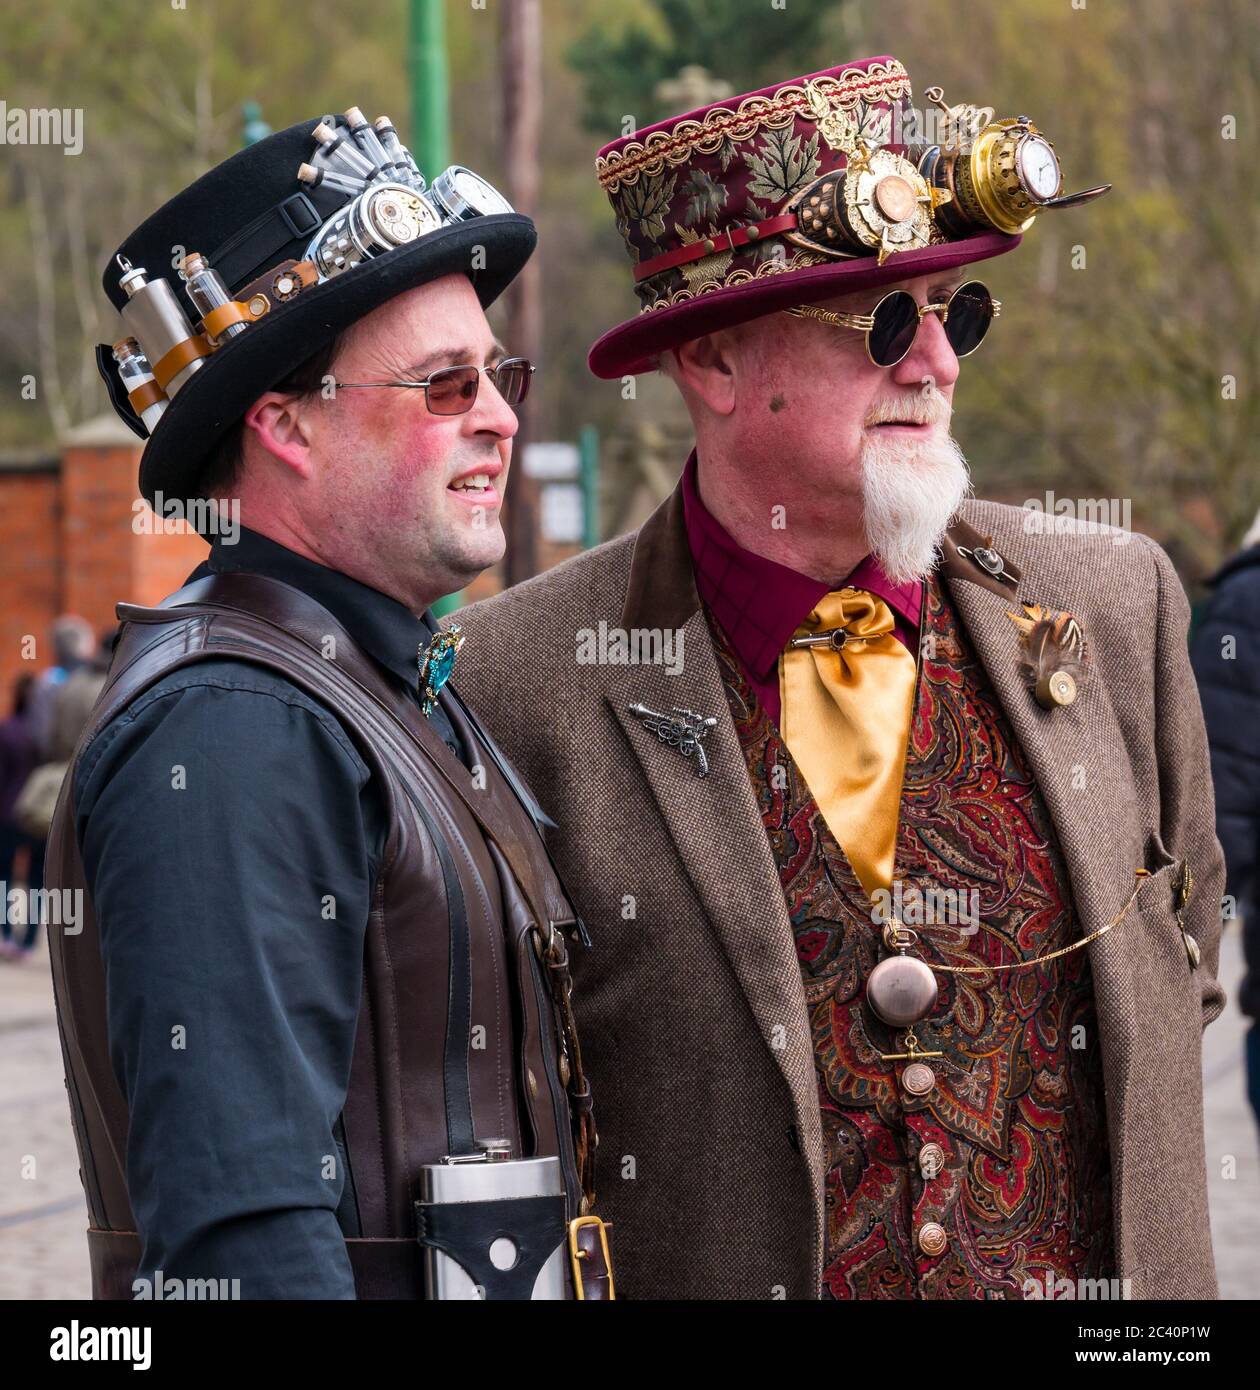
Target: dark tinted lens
(970,314)
(896,322)
(512,379)
(452,390)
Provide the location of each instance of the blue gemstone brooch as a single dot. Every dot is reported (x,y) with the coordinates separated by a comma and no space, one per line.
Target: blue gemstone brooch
(437,661)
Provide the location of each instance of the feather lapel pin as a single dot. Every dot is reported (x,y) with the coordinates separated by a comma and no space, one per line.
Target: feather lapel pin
(1053,653)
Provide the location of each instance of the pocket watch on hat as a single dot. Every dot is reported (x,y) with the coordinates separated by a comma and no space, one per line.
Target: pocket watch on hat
(998,176)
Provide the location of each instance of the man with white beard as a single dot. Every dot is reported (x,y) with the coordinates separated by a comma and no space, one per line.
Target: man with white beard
(904,890)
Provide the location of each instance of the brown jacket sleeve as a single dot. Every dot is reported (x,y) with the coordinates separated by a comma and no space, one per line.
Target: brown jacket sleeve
(1187,802)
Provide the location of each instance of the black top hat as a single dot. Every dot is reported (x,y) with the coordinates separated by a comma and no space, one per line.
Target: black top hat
(248,215)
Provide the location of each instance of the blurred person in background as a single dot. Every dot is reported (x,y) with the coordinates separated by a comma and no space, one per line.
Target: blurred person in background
(73,644)
(1226,657)
(18,756)
(67,702)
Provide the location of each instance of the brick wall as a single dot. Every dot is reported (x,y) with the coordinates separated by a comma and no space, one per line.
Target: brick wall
(30,570)
(67,544)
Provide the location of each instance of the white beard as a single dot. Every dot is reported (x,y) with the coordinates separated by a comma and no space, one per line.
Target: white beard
(911,489)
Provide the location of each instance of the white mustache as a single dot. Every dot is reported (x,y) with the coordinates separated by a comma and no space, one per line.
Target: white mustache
(926,407)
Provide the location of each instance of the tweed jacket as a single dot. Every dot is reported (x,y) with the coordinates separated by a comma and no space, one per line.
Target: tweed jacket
(690,1001)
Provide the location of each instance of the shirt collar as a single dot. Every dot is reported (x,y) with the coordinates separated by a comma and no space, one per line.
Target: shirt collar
(386,629)
(760,603)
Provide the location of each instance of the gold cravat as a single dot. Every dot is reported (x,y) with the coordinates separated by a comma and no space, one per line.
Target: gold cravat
(846,709)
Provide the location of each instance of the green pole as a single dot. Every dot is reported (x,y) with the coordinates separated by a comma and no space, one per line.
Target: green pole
(430,125)
(430,114)
(588,450)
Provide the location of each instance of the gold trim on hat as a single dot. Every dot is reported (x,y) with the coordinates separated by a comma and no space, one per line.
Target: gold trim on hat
(880,82)
(773,265)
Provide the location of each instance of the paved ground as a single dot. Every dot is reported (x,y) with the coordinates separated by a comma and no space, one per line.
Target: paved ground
(42,1214)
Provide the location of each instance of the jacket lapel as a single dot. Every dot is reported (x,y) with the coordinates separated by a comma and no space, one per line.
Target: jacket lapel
(1071,753)
(1067,747)
(713,820)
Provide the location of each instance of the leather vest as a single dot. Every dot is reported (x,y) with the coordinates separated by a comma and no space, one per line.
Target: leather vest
(466,903)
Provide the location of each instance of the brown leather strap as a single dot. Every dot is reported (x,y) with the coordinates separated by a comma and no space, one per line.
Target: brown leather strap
(383,1268)
(144,396)
(304,274)
(386,1267)
(225,315)
(168,367)
(114,1257)
(279,606)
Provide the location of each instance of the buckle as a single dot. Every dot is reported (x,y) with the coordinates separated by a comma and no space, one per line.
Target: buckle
(295,203)
(590,1257)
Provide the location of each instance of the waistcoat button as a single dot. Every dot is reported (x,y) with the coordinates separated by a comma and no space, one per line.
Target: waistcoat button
(932,1238)
(918,1078)
(931,1160)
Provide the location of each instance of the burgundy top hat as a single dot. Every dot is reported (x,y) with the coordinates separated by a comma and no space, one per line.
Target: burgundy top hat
(810,189)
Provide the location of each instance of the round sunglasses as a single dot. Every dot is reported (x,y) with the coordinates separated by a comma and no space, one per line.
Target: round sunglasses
(891,326)
(453,390)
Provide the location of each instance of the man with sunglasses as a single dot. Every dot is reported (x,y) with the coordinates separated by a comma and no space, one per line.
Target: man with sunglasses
(322,973)
(902,867)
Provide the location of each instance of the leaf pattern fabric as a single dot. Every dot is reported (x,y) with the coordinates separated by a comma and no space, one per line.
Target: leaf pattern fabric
(783,164)
(643,205)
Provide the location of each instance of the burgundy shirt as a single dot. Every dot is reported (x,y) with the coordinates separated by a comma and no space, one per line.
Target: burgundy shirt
(759,603)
